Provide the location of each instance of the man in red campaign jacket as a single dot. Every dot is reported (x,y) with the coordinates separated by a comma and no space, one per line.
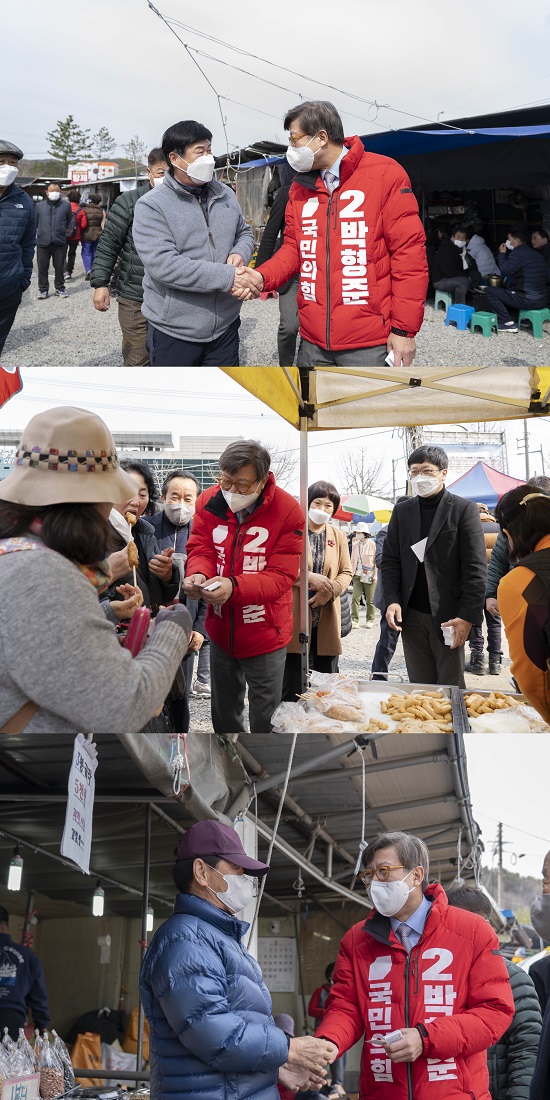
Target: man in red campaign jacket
(422,968)
(354,234)
(247,538)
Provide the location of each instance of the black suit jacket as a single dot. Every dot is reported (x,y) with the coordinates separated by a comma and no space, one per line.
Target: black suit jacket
(273,234)
(455,560)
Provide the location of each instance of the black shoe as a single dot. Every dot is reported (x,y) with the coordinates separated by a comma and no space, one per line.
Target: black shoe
(476,664)
(88,273)
(509,326)
(495,660)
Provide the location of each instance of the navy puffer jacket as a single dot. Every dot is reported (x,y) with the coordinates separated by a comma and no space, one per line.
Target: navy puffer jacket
(17,240)
(212,1032)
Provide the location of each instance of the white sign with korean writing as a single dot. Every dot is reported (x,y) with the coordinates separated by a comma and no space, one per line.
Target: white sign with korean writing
(77,834)
(22,1088)
(277,959)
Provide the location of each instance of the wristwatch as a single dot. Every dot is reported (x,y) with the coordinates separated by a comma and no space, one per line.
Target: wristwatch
(401,332)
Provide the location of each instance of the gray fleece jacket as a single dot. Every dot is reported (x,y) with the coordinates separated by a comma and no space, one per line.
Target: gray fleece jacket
(57,649)
(187,281)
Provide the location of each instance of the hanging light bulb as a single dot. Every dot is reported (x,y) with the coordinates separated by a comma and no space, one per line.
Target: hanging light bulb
(150,919)
(98,902)
(16,871)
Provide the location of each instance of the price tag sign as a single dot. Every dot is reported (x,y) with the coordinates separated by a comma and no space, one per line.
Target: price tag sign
(22,1088)
(77,834)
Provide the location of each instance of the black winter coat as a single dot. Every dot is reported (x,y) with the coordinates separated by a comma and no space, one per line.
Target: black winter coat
(273,233)
(378,598)
(526,271)
(52,222)
(117,240)
(447,262)
(155,591)
(17,240)
(455,560)
(167,534)
(540,1084)
(511,1061)
(498,567)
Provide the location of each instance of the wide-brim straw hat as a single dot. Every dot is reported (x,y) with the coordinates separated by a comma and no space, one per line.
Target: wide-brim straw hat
(66,456)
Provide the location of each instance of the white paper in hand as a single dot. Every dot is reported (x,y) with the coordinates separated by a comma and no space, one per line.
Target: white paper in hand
(419,548)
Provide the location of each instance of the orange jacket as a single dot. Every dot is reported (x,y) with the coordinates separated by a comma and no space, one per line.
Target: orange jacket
(453,982)
(523,605)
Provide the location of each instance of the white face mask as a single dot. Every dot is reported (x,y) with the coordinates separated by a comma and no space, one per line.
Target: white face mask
(8,172)
(424,486)
(459,244)
(240,892)
(509,246)
(316,515)
(202,169)
(179,514)
(389,897)
(238,501)
(54,196)
(301,157)
(157,180)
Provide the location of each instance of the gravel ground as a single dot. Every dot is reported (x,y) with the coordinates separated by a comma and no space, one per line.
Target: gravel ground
(71,333)
(356,660)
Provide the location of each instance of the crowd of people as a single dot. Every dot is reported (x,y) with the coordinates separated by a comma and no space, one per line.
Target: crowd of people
(218,572)
(176,250)
(462,264)
(421,984)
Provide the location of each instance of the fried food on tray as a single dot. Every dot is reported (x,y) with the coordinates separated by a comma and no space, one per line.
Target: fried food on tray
(344,713)
(487,704)
(372,726)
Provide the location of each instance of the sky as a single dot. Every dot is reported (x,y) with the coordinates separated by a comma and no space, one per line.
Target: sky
(207,402)
(508,778)
(118,65)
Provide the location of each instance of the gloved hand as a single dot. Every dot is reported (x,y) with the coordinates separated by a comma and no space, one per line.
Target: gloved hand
(176,613)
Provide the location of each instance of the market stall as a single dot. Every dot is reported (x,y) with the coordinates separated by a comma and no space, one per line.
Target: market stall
(328,398)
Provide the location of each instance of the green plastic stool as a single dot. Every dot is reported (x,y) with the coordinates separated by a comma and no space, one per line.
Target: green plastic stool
(485,321)
(536,318)
(442,296)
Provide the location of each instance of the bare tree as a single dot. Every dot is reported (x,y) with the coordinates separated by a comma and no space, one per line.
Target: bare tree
(360,473)
(135,150)
(283,464)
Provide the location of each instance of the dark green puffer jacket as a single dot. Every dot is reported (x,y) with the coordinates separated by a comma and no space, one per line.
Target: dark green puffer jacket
(499,563)
(116,240)
(511,1061)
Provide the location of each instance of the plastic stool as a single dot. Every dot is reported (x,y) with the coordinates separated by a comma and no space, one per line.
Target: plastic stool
(485,321)
(268,294)
(442,296)
(536,318)
(460,314)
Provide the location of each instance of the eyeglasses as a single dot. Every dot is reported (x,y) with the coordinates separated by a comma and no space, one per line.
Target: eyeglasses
(382,873)
(226,483)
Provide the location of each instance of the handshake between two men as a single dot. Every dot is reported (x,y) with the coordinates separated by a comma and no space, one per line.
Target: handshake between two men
(248,283)
(307,1061)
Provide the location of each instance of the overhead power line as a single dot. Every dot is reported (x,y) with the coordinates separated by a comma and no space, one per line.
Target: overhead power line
(273,64)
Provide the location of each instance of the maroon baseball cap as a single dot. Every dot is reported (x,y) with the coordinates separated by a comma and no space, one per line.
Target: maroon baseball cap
(211,838)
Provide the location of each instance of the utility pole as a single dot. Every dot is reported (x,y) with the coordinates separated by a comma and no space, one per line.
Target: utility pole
(526,445)
(499,865)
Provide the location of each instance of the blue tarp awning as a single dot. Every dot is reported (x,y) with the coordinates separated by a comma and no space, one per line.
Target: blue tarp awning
(397,143)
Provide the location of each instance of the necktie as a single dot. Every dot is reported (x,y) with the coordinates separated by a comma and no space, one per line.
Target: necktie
(403,932)
(330,181)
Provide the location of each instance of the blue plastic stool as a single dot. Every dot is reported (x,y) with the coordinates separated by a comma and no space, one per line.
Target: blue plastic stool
(485,321)
(460,314)
(442,296)
(535,318)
